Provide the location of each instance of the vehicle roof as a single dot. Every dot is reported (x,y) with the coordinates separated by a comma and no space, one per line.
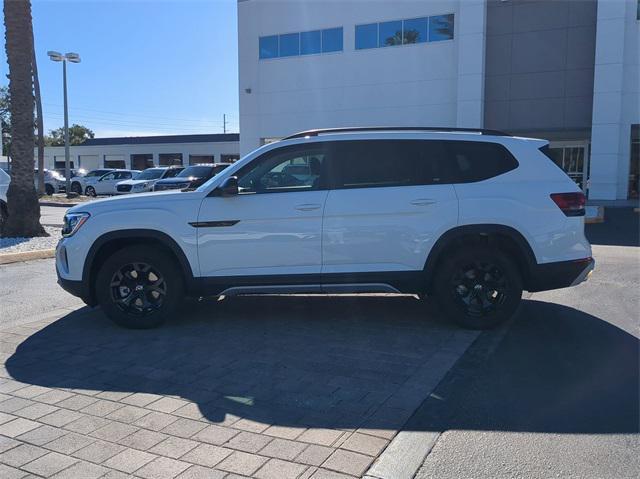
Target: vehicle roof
(440,133)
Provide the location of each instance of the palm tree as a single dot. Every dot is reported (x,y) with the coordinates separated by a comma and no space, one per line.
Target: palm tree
(39,121)
(22,200)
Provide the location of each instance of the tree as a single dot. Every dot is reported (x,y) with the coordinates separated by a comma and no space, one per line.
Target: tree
(39,121)
(78,134)
(22,200)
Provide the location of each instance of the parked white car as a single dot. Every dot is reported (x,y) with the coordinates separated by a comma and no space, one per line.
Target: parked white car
(471,217)
(54,182)
(80,183)
(145,181)
(106,184)
(5,179)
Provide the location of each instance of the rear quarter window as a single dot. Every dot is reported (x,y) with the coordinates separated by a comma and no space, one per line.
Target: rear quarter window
(472,161)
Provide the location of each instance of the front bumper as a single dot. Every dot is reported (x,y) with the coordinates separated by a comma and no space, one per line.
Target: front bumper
(562,274)
(77,288)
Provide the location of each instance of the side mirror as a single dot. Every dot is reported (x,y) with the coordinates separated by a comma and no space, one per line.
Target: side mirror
(229,187)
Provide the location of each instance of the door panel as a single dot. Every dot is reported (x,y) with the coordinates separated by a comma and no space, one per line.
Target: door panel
(274,225)
(385,229)
(275,234)
(389,206)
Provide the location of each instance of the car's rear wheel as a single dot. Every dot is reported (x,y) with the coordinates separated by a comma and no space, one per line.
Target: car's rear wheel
(478,287)
(76,188)
(48,189)
(139,287)
(90,191)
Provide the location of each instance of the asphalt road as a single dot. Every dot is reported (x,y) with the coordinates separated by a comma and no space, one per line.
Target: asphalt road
(52,215)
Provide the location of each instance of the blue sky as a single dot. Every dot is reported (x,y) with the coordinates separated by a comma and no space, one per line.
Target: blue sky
(148,67)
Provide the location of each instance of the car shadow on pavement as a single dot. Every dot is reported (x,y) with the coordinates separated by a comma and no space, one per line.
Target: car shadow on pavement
(557,370)
(334,362)
(621,227)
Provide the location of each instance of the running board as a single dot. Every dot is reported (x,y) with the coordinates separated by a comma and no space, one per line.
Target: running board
(311,289)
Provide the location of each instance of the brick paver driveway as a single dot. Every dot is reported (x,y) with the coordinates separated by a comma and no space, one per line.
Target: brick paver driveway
(273,387)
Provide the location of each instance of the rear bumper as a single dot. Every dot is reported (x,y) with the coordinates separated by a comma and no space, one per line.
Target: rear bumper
(562,274)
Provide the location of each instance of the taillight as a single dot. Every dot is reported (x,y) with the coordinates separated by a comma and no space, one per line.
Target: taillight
(571,204)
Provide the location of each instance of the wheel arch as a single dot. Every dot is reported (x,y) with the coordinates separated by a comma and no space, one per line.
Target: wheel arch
(504,237)
(111,242)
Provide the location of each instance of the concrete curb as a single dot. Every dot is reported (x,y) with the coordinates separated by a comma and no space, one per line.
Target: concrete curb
(61,205)
(7,258)
(405,453)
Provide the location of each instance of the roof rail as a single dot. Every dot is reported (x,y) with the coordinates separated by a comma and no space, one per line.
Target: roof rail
(319,131)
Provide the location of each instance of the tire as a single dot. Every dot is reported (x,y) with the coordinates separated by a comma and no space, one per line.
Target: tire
(90,191)
(48,189)
(139,287)
(478,287)
(76,188)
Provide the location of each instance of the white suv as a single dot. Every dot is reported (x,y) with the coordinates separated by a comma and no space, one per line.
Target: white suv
(472,217)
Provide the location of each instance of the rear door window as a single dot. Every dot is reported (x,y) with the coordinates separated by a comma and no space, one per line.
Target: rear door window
(387,163)
(472,161)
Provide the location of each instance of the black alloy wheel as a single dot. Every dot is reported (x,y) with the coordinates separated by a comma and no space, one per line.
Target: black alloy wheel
(138,289)
(478,287)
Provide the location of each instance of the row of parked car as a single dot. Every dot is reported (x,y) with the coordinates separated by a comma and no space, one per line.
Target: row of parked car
(112,181)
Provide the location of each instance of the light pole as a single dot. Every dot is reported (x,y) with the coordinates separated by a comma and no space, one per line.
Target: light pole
(73,58)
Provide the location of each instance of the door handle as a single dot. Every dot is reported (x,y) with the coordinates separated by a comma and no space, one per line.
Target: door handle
(308,207)
(423,202)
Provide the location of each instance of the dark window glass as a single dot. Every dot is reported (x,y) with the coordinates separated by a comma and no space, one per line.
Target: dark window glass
(150,174)
(366,36)
(295,168)
(390,33)
(332,40)
(171,172)
(414,30)
(289,45)
(196,171)
(441,28)
(310,42)
(380,163)
(477,161)
(269,47)
(196,159)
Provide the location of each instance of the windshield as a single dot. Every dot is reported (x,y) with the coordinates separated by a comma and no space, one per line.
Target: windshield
(150,174)
(197,171)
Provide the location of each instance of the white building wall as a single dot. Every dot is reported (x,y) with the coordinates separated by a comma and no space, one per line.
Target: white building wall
(439,83)
(93,156)
(616,97)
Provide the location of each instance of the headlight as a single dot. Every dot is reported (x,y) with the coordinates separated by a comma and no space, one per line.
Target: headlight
(73,222)
(140,186)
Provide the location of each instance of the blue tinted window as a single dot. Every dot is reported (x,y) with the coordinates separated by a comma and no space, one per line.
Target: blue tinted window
(290,44)
(414,30)
(332,40)
(310,42)
(390,33)
(441,28)
(366,36)
(269,47)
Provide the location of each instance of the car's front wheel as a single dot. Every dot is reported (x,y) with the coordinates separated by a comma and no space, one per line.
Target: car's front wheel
(90,191)
(478,287)
(48,189)
(139,287)
(76,188)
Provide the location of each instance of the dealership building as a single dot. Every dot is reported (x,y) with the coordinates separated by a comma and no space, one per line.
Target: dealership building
(567,71)
(140,152)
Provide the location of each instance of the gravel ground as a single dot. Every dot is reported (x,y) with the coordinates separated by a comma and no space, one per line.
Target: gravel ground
(19,245)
